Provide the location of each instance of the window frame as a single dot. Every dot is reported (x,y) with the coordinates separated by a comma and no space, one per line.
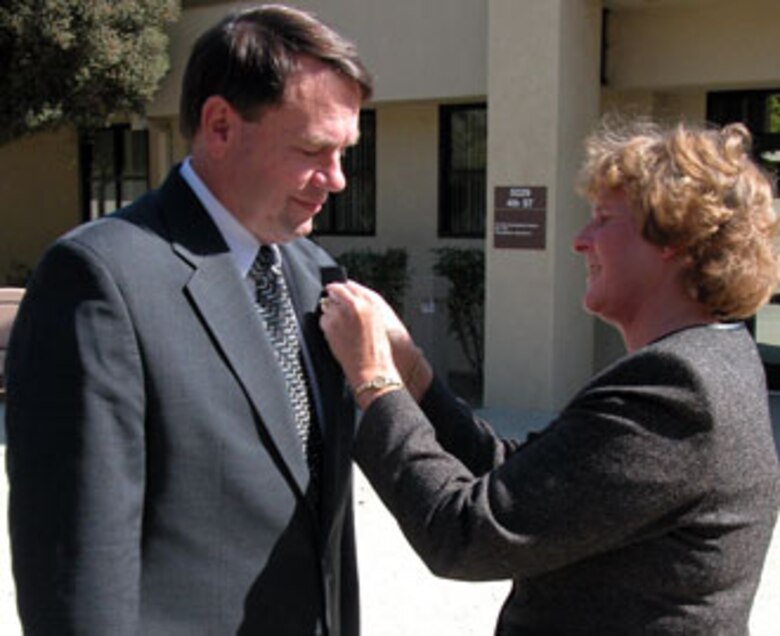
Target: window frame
(365,150)
(444,229)
(119,175)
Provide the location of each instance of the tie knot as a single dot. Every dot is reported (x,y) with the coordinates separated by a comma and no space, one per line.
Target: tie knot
(267,259)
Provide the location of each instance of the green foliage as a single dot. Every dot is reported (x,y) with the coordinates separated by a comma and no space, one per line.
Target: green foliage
(79,61)
(385,273)
(465,269)
(773,109)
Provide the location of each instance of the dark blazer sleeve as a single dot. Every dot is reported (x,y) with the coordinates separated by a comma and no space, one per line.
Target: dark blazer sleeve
(461,432)
(617,460)
(75,450)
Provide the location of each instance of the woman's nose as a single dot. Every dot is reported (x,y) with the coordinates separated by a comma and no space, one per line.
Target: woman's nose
(582,240)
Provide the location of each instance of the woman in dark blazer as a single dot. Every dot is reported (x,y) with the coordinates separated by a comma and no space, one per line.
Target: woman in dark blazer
(648,505)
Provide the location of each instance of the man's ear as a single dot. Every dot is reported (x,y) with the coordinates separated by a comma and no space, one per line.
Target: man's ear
(218,122)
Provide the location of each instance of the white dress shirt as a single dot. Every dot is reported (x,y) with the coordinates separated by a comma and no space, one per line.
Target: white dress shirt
(243,248)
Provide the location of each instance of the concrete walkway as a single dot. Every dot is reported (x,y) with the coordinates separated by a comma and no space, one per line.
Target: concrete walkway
(399,596)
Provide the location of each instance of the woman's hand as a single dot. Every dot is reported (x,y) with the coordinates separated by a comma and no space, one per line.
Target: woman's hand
(355,330)
(369,340)
(409,359)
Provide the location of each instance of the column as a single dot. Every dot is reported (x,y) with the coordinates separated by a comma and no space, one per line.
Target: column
(543,98)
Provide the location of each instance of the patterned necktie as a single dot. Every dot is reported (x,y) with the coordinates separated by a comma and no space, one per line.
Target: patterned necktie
(275,308)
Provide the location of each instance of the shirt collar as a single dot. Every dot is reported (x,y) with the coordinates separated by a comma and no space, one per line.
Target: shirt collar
(242,244)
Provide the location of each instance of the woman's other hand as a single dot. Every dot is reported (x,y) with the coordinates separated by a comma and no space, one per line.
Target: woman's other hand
(355,334)
(409,359)
(354,327)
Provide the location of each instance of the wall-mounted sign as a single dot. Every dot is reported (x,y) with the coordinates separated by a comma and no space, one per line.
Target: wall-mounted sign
(520,217)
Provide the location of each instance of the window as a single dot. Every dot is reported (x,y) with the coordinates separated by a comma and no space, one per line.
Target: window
(352,212)
(114,168)
(760,112)
(462,170)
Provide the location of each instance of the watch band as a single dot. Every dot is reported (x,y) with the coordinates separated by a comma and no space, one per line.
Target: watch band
(379,382)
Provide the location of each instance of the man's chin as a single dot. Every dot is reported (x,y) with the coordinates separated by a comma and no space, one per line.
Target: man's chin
(304,229)
(286,235)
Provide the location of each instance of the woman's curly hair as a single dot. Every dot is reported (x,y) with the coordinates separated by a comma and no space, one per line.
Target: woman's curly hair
(696,190)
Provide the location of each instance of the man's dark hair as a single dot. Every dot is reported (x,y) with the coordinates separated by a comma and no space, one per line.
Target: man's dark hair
(248,56)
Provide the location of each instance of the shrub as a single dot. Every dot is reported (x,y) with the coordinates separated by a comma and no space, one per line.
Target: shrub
(465,269)
(384,272)
(79,61)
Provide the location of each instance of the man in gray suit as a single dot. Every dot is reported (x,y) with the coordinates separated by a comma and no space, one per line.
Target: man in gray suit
(158,482)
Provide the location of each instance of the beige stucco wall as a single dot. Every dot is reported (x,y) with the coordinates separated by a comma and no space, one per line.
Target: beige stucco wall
(416,50)
(439,50)
(716,43)
(688,105)
(39,195)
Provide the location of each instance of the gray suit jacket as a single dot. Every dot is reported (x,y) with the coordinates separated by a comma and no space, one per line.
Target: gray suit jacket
(646,507)
(157,482)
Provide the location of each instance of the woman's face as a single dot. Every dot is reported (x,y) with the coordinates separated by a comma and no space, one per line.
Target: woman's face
(623,269)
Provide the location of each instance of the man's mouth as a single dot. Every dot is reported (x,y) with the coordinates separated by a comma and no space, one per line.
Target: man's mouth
(312,206)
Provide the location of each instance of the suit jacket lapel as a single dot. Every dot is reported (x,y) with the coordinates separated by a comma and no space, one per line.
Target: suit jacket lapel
(220,297)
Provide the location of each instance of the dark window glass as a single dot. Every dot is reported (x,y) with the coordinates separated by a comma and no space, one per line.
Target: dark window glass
(773,114)
(462,170)
(760,112)
(353,211)
(114,168)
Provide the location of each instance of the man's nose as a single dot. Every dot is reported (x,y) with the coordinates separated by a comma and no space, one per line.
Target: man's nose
(331,175)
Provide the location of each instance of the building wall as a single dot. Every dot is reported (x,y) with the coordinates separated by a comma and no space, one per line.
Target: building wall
(39,197)
(714,43)
(416,50)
